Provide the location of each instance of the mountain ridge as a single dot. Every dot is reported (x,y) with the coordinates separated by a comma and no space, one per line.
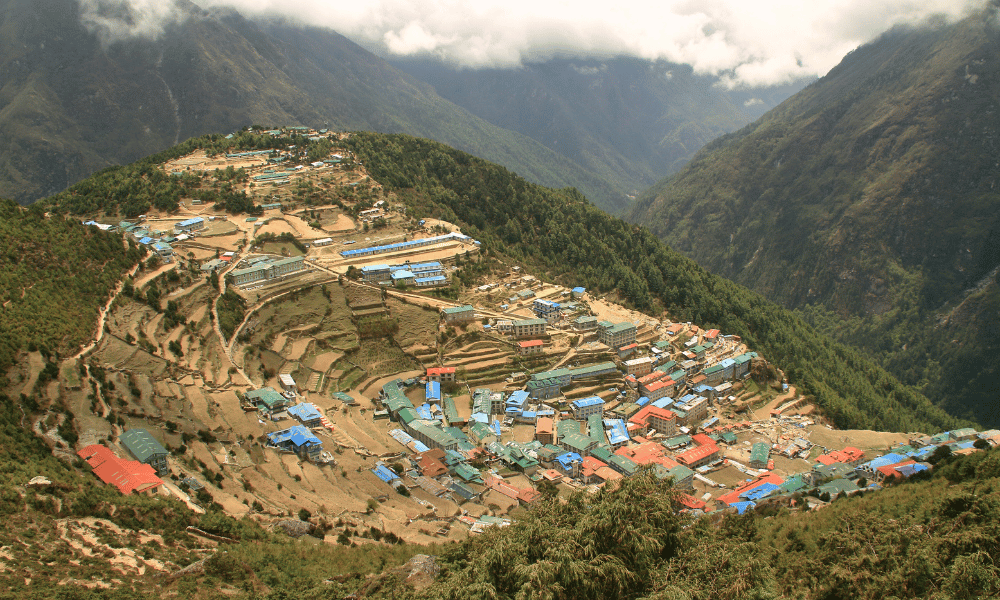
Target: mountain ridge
(869,194)
(631,120)
(71,106)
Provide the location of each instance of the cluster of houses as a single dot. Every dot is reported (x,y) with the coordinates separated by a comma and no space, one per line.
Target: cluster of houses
(846,471)
(585,445)
(421,275)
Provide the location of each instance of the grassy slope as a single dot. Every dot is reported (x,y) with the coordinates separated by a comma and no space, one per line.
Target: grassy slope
(871,194)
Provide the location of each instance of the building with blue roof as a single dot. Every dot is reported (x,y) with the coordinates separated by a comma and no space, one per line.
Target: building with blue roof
(402,277)
(164,249)
(432,281)
(188,225)
(299,440)
(376,273)
(432,390)
(760,492)
(617,433)
(385,473)
(546,309)
(585,407)
(402,246)
(518,398)
(883,461)
(742,507)
(664,402)
(569,464)
(307,413)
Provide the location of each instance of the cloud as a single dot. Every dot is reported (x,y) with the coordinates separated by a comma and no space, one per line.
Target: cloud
(746,43)
(116,20)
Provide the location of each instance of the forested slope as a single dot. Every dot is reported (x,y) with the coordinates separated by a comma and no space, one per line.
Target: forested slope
(55,274)
(871,197)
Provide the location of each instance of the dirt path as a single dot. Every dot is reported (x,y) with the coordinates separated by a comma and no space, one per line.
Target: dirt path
(102,315)
(764,413)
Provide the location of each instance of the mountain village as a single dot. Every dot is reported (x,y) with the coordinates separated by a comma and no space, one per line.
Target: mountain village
(516,389)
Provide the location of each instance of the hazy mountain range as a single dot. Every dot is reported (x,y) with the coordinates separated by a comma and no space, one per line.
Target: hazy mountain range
(71,105)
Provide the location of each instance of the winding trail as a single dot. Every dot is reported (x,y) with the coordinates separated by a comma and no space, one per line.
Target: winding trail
(102,316)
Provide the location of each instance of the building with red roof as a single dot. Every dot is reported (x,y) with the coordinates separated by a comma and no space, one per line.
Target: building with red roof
(653,376)
(529,347)
(126,475)
(702,440)
(543,430)
(849,456)
(443,374)
(526,496)
(698,456)
(658,419)
(431,463)
(607,474)
(690,502)
(589,469)
(628,349)
(890,471)
(658,389)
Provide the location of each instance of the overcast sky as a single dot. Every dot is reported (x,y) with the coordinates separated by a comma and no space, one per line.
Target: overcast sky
(750,43)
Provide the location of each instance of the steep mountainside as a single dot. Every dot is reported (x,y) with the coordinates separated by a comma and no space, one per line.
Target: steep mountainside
(559,234)
(871,194)
(632,121)
(70,105)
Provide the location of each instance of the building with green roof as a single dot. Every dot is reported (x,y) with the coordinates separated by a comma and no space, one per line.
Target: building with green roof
(458,314)
(529,327)
(469,473)
(431,436)
(623,465)
(837,486)
(618,335)
(450,411)
(266,398)
(759,455)
(145,449)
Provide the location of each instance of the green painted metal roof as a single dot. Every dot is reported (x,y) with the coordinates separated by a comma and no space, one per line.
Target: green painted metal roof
(142,445)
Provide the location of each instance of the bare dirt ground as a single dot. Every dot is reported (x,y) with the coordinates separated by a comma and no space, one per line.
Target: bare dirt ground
(606,311)
(343,224)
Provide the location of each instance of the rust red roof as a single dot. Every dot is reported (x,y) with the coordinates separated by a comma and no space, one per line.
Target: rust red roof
(696,454)
(440,370)
(702,440)
(126,475)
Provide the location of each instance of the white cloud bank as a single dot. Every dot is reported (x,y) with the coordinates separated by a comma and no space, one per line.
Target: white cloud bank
(747,43)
